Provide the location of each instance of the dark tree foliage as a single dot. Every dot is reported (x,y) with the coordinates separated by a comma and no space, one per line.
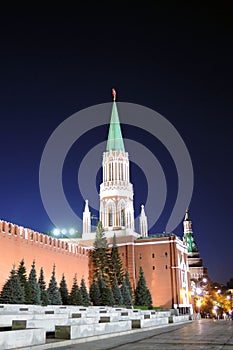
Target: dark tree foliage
(75,294)
(85,295)
(53,291)
(127,301)
(35,288)
(95,293)
(118,300)
(22,273)
(128,284)
(45,300)
(142,293)
(13,291)
(101,284)
(115,263)
(107,298)
(64,291)
(99,255)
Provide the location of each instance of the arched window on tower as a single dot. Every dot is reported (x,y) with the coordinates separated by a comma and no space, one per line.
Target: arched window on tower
(110,217)
(122,217)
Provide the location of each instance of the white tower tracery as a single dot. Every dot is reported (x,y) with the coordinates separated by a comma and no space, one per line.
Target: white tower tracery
(86,219)
(143,223)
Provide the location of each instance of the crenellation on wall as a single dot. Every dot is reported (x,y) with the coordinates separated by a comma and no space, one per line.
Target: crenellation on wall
(17,243)
(34,237)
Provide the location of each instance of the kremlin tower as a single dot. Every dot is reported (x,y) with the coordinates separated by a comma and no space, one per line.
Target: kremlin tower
(196,268)
(116,191)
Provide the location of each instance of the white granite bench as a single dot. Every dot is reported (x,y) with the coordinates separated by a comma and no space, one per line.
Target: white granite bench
(49,324)
(144,323)
(22,338)
(181,318)
(81,331)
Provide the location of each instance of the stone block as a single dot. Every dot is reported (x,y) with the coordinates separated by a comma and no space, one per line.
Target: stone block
(21,338)
(81,331)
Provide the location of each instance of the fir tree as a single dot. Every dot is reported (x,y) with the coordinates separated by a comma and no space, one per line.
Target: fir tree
(107,298)
(75,294)
(13,291)
(85,295)
(95,293)
(142,293)
(53,291)
(106,295)
(45,300)
(99,255)
(118,300)
(115,263)
(22,273)
(35,289)
(128,284)
(127,301)
(64,291)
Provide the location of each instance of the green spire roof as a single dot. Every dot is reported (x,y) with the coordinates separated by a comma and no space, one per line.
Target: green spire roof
(115,140)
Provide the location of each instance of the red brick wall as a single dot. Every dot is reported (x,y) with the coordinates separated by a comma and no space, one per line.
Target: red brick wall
(68,260)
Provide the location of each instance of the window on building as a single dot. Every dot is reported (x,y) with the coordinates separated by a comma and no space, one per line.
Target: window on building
(140,256)
(110,218)
(122,254)
(153,267)
(166,267)
(165,254)
(153,255)
(122,217)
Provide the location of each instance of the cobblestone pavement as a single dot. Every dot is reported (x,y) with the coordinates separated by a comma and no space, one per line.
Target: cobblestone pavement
(201,334)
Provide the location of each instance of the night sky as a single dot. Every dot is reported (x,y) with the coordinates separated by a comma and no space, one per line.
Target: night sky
(176,60)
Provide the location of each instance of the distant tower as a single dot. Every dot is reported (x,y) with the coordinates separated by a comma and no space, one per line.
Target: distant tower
(188,234)
(116,191)
(143,223)
(197,270)
(86,219)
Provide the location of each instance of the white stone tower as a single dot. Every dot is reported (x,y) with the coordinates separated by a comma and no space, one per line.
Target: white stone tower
(86,219)
(143,223)
(116,191)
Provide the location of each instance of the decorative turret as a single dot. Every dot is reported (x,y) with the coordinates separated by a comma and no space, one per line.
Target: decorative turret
(143,223)
(196,268)
(116,191)
(188,234)
(86,219)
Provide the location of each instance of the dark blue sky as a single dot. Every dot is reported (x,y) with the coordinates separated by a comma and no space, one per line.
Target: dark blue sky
(174,59)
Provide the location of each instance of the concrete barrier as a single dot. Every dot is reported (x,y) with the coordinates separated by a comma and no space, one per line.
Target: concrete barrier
(151,322)
(21,338)
(81,331)
(181,318)
(49,325)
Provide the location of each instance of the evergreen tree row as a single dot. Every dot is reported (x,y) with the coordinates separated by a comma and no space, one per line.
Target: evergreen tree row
(19,289)
(110,286)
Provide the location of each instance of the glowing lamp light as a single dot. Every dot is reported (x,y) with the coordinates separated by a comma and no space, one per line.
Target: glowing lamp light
(204,280)
(198,290)
(63,231)
(56,232)
(228,297)
(71,231)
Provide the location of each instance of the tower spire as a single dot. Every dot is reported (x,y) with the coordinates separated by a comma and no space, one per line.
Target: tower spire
(115,140)
(86,219)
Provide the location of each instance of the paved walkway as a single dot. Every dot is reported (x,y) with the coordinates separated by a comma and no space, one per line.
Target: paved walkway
(202,334)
